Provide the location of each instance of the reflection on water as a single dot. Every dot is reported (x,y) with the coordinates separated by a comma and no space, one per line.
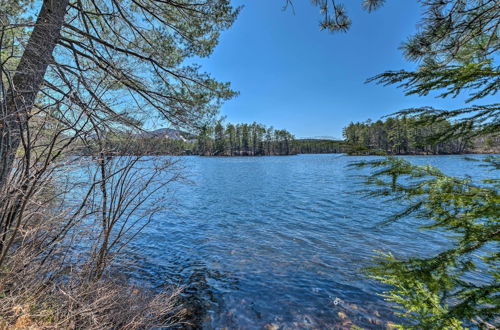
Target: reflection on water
(279,241)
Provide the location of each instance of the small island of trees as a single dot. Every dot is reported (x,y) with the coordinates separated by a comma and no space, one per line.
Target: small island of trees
(258,140)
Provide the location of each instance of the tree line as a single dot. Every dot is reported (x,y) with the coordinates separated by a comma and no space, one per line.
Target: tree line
(66,69)
(66,66)
(257,140)
(216,140)
(402,135)
(455,51)
(243,140)
(126,143)
(395,136)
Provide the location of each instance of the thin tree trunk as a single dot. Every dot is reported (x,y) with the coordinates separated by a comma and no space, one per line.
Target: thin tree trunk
(26,83)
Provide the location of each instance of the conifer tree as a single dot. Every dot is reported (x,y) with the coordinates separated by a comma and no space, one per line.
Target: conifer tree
(231,135)
(455,50)
(220,139)
(86,54)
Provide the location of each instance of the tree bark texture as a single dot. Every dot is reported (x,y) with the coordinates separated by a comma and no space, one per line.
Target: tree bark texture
(27,81)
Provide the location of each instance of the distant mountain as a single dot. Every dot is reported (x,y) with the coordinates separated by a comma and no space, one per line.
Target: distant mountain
(168,133)
(320,138)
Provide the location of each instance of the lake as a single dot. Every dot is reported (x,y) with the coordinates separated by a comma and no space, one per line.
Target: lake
(263,241)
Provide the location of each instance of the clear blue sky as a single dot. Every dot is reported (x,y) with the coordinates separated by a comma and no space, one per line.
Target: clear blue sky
(292,75)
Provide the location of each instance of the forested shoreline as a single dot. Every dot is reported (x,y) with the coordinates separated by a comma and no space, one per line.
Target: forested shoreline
(84,78)
(394,136)
(217,140)
(257,140)
(407,136)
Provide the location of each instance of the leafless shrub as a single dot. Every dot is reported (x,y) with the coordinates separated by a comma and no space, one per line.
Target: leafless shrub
(48,278)
(53,200)
(64,217)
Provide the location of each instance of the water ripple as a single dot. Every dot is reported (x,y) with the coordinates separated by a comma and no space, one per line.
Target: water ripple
(277,239)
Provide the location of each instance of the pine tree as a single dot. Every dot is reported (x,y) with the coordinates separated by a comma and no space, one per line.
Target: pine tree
(204,141)
(220,139)
(456,50)
(231,135)
(245,139)
(76,50)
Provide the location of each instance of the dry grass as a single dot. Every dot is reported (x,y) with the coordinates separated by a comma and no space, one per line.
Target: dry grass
(100,305)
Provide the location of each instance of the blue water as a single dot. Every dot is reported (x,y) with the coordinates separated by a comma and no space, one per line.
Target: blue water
(275,240)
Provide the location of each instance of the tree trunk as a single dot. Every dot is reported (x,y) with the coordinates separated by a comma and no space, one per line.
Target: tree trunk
(26,83)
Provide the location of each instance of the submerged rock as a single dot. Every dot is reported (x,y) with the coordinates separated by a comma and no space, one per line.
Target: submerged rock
(271,326)
(374,321)
(391,326)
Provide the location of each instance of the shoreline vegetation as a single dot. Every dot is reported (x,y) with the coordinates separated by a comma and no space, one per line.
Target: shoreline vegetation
(394,136)
(77,75)
(408,136)
(232,140)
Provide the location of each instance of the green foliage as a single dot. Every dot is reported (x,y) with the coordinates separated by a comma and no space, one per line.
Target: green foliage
(18,7)
(137,144)
(403,135)
(131,58)
(468,122)
(11,34)
(258,140)
(482,78)
(243,140)
(439,291)
(218,140)
(456,49)
(334,15)
(318,146)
